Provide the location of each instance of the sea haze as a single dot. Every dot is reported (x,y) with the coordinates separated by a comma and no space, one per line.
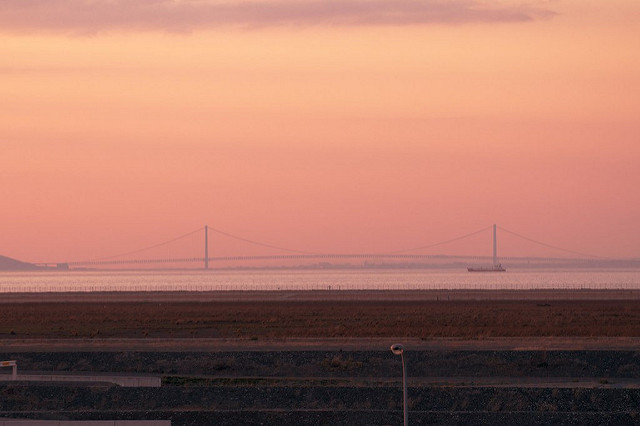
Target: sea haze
(16,282)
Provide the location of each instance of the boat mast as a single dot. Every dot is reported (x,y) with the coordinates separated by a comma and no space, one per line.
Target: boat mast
(495,247)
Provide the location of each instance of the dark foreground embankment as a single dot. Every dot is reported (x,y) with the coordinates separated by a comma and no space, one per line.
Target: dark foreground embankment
(324,405)
(338,387)
(341,364)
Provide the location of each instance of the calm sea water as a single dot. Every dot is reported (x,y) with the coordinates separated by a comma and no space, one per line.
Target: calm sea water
(313,280)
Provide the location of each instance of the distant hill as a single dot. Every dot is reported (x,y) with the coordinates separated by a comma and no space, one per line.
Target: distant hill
(8,264)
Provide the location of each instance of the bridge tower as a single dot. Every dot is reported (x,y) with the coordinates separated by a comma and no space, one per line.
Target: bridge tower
(495,246)
(206,247)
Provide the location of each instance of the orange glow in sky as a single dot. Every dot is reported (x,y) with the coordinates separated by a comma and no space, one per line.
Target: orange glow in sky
(355,126)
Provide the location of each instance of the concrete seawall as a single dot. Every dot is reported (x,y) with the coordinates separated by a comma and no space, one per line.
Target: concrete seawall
(25,422)
(126,381)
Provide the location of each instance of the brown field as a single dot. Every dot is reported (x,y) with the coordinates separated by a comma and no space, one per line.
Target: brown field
(293,315)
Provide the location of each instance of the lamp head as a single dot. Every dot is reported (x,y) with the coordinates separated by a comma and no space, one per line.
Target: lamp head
(397,349)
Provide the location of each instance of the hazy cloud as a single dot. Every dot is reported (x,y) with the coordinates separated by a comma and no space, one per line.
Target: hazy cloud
(88,16)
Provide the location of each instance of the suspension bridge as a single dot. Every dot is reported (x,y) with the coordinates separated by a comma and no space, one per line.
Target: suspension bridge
(136,257)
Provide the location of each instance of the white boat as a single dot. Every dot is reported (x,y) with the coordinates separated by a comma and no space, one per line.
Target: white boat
(494,268)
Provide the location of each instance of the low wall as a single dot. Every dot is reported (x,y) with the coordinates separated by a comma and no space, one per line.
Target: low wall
(25,422)
(126,381)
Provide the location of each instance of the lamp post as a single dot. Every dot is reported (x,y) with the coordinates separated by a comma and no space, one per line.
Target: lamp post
(398,349)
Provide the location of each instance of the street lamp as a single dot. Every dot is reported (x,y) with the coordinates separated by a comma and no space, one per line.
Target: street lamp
(398,349)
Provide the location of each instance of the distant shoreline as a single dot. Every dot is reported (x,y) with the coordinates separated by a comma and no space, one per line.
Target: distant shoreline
(619,265)
(318,295)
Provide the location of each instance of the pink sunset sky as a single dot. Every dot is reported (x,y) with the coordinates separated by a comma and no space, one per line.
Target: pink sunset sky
(346,126)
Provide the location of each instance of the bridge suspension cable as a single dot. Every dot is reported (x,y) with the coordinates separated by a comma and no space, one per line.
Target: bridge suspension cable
(257,243)
(551,246)
(461,237)
(164,243)
(108,259)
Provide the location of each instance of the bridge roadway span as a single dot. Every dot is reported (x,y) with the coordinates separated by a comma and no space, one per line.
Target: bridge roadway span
(318,257)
